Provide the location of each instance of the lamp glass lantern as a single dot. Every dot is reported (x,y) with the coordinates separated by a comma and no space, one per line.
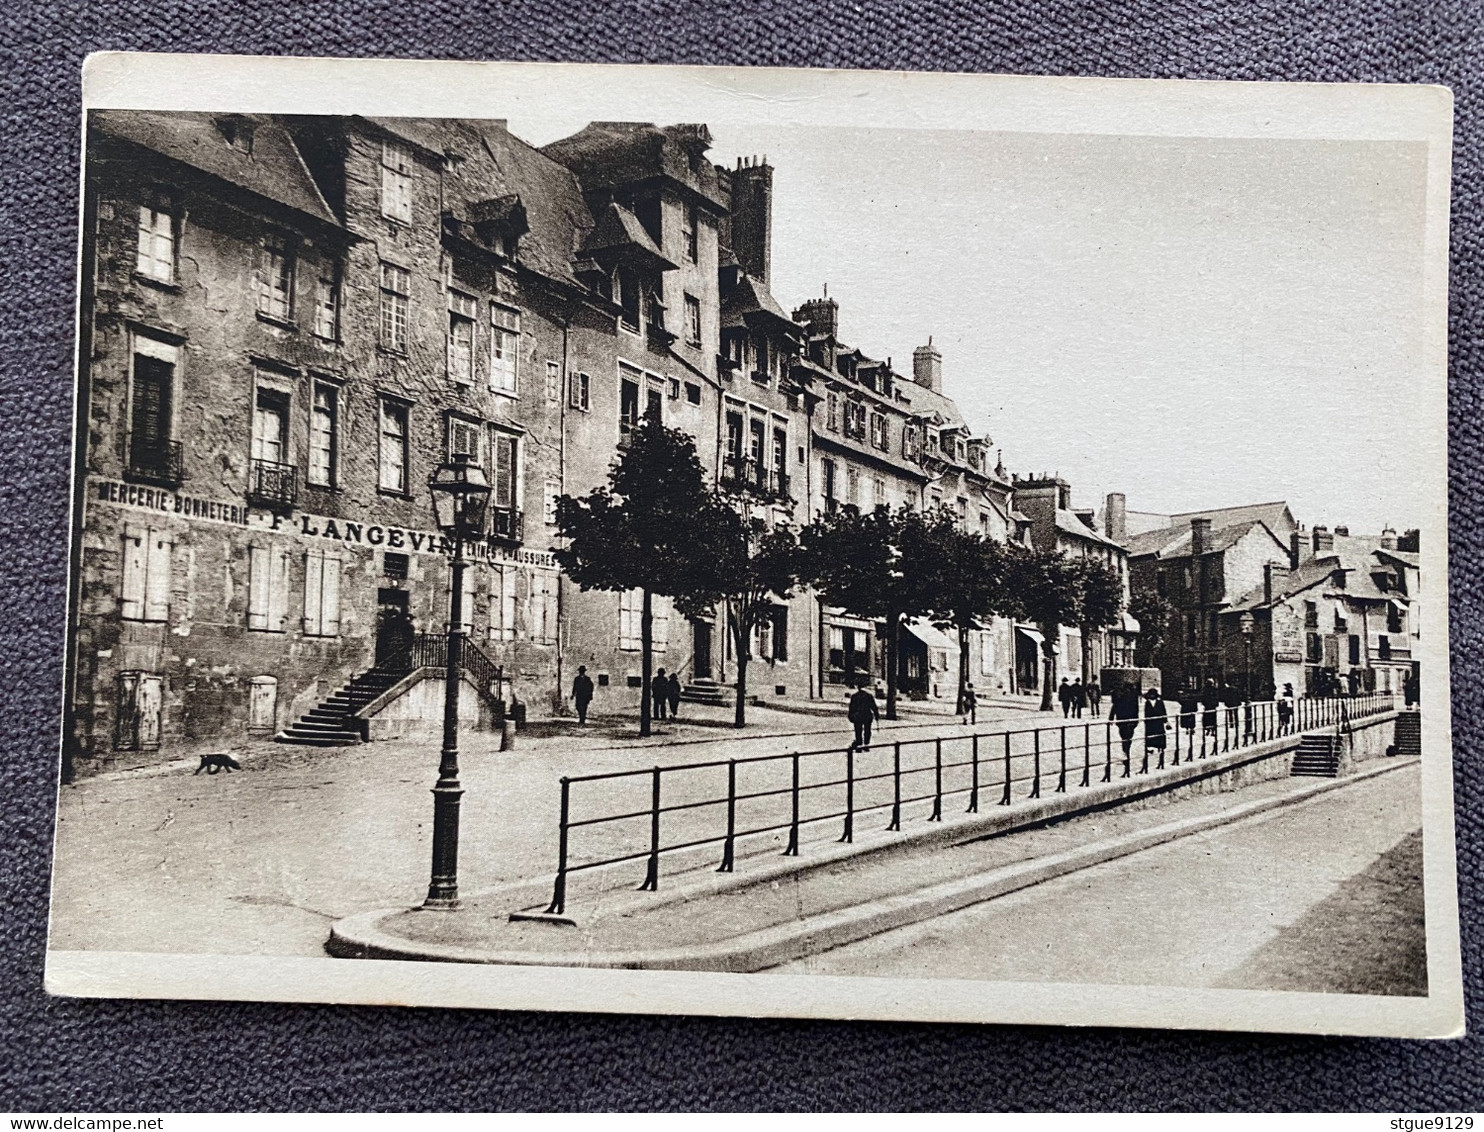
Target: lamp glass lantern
(461,496)
(1246,622)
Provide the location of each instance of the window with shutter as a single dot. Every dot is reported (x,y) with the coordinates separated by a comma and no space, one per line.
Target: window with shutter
(503,469)
(542,619)
(321,594)
(396,181)
(268,588)
(504,348)
(157,577)
(156,255)
(324,420)
(780,632)
(630,609)
(135,568)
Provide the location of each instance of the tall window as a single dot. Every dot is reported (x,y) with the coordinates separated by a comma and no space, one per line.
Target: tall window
(550,493)
(461,311)
(832,418)
(830,484)
(879,436)
(276,278)
(267,588)
(580,392)
(878,492)
(324,434)
(504,347)
(734,435)
(270,426)
(321,594)
(553,382)
(396,282)
(629,299)
(156,256)
(628,407)
(393,456)
(151,406)
(630,610)
(756,434)
(504,465)
(689,223)
(464,437)
(145,590)
(852,485)
(693,320)
(327,303)
(780,450)
(541,620)
(396,181)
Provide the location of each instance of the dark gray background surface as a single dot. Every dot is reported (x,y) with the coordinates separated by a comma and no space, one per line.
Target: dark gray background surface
(60,1055)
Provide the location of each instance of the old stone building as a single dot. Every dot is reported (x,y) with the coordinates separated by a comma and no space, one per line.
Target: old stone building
(289,323)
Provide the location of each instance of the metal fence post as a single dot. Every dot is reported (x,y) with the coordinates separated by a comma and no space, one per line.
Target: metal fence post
(1086,754)
(849,833)
(793,828)
(896,787)
(559,889)
(728,845)
(1108,752)
(974,780)
(1036,767)
(1061,778)
(937,814)
(652,877)
(1005,800)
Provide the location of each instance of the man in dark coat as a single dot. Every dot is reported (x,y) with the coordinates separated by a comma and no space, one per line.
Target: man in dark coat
(659,694)
(1124,712)
(582,692)
(1210,701)
(1095,697)
(1154,726)
(1064,694)
(673,695)
(1079,699)
(863,713)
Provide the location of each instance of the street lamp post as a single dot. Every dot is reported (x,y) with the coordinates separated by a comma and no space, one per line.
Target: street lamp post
(1247,625)
(460,497)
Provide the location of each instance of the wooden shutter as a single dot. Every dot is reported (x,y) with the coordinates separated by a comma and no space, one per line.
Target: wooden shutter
(314,561)
(132,585)
(157,577)
(259,581)
(330,596)
(278,591)
(504,478)
(150,423)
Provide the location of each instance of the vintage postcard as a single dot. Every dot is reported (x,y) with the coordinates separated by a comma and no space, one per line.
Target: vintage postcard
(760,542)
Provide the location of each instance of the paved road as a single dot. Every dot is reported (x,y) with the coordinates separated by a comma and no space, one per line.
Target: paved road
(1205,910)
(263,860)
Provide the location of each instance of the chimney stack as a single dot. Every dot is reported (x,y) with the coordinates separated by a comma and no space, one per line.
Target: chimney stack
(1295,549)
(1324,542)
(1388,539)
(927,367)
(752,219)
(821,316)
(1200,537)
(1270,572)
(1115,516)
(1343,532)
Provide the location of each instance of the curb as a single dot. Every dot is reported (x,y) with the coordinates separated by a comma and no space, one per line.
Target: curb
(360,937)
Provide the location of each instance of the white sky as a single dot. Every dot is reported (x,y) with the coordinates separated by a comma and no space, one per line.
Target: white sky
(1195,322)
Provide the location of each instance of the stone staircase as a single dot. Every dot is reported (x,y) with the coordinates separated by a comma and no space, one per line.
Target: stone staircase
(1409,733)
(1318,756)
(706,692)
(331,723)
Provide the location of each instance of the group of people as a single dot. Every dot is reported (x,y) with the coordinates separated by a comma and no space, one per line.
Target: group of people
(1209,702)
(1079,697)
(664,694)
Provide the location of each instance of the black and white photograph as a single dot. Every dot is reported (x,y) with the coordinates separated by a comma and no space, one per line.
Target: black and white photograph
(686,540)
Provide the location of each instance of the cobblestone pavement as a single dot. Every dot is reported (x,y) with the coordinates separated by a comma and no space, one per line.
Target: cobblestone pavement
(1220,908)
(262,860)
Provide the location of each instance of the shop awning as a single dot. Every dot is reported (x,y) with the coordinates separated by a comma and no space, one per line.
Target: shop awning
(930,636)
(1128,623)
(1032,635)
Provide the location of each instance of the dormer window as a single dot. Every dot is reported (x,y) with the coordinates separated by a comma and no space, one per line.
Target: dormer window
(237,132)
(689,225)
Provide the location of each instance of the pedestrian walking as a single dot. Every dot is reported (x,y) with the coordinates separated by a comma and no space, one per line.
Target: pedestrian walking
(1064,694)
(659,694)
(582,692)
(1210,701)
(1155,725)
(673,695)
(1123,710)
(1079,698)
(1232,699)
(1095,698)
(862,712)
(1189,701)
(969,706)
(1285,709)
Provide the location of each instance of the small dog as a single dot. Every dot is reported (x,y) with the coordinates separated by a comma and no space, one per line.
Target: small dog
(221,761)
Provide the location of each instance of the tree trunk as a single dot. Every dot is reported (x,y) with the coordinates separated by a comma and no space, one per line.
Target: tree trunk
(646,661)
(739,626)
(893,622)
(1049,633)
(963,668)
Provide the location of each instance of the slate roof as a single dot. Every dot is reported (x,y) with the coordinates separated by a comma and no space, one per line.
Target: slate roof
(609,155)
(1174,542)
(1276,515)
(619,230)
(1320,572)
(751,297)
(273,170)
(1070,524)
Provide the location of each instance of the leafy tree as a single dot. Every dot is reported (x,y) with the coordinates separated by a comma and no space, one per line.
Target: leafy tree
(748,566)
(1101,597)
(1047,590)
(638,532)
(973,586)
(879,566)
(1156,615)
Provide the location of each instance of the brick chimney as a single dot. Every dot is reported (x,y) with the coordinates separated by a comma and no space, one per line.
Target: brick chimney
(1295,549)
(1324,542)
(1115,516)
(1388,539)
(752,217)
(927,367)
(1343,532)
(1200,537)
(1271,572)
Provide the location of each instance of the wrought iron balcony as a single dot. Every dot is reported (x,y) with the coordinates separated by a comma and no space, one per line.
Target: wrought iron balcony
(159,463)
(273,485)
(507,524)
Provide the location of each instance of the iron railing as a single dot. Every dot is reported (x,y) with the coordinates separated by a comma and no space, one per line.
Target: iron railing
(273,485)
(722,802)
(747,474)
(161,462)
